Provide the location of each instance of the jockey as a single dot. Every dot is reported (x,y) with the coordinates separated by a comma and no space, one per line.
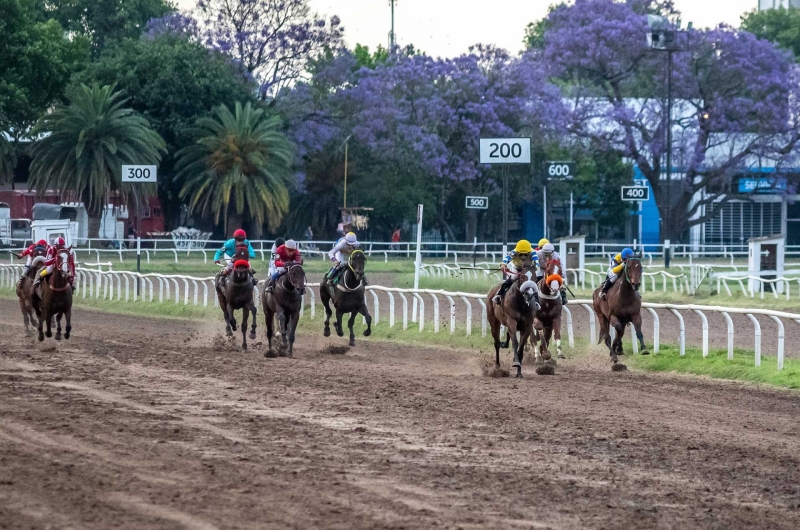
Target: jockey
(274,256)
(228,251)
(41,244)
(286,253)
(512,265)
(51,259)
(546,253)
(617,265)
(340,253)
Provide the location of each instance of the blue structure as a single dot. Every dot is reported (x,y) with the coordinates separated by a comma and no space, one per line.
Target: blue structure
(651,216)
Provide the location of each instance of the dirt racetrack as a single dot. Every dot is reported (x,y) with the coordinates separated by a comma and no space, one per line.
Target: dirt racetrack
(141,423)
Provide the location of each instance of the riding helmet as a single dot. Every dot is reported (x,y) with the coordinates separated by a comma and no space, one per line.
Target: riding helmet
(350,238)
(523,247)
(543,242)
(627,253)
(292,244)
(239,234)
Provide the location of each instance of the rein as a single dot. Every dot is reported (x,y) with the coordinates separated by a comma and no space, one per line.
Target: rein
(626,268)
(342,286)
(286,276)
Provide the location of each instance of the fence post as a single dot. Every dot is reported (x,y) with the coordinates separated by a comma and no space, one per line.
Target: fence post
(757,327)
(705,331)
(570,334)
(781,335)
(656,329)
(682,332)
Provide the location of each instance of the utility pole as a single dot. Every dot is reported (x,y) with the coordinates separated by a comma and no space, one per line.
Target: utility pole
(392,39)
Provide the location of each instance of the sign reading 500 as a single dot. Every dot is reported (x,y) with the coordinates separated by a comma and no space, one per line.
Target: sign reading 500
(139,174)
(505,150)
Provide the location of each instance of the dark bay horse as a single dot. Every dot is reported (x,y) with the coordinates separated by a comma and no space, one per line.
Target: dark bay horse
(54,298)
(548,318)
(348,297)
(285,301)
(516,313)
(25,289)
(621,307)
(235,292)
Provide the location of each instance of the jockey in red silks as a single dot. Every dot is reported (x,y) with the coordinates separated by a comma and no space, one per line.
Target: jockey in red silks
(284,254)
(52,258)
(41,244)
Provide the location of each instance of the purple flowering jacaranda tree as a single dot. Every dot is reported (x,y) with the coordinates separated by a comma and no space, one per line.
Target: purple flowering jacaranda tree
(733,104)
(272,39)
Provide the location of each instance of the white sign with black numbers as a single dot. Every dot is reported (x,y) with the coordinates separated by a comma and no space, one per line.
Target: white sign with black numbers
(144,174)
(505,150)
(635,193)
(559,170)
(478,203)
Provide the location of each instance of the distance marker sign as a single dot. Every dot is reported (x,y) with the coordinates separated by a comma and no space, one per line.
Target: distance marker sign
(477,203)
(505,150)
(143,174)
(635,193)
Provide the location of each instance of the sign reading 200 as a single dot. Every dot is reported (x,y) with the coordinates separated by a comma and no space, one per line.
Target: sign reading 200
(505,150)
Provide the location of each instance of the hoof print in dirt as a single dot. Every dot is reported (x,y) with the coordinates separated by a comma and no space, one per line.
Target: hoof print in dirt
(333,349)
(546,369)
(619,367)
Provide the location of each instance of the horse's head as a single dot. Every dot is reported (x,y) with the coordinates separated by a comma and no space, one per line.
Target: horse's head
(242,253)
(357,262)
(528,289)
(633,272)
(62,261)
(241,271)
(297,277)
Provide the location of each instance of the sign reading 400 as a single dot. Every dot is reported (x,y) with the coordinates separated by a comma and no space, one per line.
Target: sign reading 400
(144,174)
(505,150)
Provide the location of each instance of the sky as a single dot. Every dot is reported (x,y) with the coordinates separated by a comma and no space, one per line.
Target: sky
(448,27)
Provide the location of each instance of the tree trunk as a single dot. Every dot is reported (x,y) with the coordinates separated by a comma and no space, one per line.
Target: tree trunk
(94,226)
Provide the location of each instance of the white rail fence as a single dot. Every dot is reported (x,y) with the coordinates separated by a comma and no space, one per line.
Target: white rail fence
(773,285)
(189,290)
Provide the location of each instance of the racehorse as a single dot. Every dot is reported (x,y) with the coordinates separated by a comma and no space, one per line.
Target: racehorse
(548,318)
(348,297)
(235,292)
(621,307)
(54,298)
(516,313)
(25,289)
(285,301)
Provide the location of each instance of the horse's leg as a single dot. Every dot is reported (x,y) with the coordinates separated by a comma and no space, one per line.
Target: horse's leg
(557,333)
(326,304)
(511,329)
(547,334)
(254,311)
(231,317)
(25,318)
(42,314)
(338,323)
(68,317)
(293,319)
(364,311)
(535,340)
(637,326)
(245,316)
(495,325)
(619,327)
(269,317)
(350,322)
(58,326)
(223,304)
(49,332)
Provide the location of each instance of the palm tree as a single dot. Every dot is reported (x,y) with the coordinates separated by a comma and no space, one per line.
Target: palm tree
(239,165)
(85,144)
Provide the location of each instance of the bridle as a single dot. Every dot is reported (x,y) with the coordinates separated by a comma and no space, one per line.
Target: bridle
(342,286)
(288,275)
(630,260)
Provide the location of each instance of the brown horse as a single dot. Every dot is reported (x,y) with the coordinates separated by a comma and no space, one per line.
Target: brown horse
(622,306)
(285,301)
(54,298)
(347,297)
(25,289)
(235,292)
(515,312)
(548,318)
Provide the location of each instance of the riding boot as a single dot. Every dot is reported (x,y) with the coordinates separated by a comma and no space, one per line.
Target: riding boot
(536,299)
(563,296)
(502,292)
(253,278)
(606,286)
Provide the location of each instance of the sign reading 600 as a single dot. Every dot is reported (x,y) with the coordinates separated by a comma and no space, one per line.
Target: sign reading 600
(139,174)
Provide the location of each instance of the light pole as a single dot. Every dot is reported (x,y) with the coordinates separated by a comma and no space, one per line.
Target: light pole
(392,40)
(664,36)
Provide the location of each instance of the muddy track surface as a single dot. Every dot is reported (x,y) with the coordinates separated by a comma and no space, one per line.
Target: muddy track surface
(154,424)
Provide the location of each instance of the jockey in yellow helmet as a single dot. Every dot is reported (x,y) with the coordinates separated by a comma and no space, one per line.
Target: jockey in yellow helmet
(512,266)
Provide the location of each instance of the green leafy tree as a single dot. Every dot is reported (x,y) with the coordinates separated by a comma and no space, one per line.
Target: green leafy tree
(105,21)
(238,166)
(370,60)
(7,154)
(86,142)
(172,81)
(36,62)
(780,26)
